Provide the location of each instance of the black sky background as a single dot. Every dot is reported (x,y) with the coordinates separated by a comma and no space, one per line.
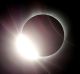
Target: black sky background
(68,8)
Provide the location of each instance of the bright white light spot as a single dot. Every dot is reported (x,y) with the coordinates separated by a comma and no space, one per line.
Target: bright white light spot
(26,48)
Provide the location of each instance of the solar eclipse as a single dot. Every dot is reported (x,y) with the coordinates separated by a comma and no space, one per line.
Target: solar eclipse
(45,37)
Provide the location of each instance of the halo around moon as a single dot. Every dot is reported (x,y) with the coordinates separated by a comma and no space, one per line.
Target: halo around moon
(46,32)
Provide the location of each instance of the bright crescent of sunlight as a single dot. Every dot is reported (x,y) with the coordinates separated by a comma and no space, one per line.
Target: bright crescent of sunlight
(26,48)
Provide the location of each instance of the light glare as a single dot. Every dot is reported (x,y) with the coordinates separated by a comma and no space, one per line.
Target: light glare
(26,48)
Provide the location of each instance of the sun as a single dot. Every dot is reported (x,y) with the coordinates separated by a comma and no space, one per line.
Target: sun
(26,48)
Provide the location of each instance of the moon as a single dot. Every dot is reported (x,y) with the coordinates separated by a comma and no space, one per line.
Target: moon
(46,32)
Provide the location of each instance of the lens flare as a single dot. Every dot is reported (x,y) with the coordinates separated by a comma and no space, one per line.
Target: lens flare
(26,48)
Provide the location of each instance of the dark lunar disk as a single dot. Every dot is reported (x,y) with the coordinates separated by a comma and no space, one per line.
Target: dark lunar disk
(46,32)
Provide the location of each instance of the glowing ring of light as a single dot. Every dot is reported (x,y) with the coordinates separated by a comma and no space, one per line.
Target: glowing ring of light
(60,20)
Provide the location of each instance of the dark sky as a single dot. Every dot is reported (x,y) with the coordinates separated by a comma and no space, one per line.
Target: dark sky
(68,8)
